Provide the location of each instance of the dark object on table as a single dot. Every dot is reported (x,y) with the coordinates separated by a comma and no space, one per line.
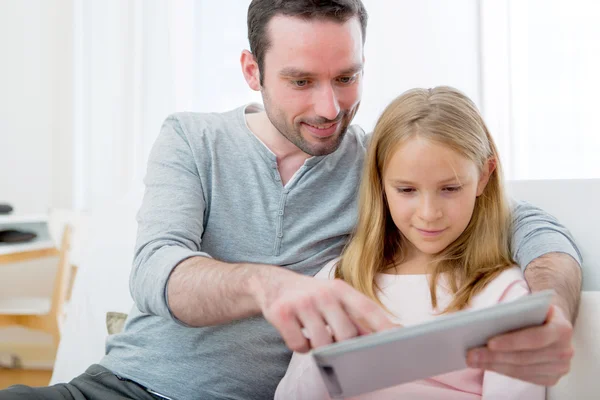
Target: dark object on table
(10,361)
(15,236)
(5,209)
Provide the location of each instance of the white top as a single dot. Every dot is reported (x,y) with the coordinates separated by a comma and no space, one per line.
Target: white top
(408,298)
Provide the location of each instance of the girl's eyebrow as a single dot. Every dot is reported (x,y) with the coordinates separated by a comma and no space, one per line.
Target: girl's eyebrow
(444,181)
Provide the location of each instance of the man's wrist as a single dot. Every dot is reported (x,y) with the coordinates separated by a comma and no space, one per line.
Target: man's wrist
(261,281)
(560,272)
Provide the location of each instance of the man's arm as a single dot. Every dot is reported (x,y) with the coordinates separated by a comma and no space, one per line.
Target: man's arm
(560,272)
(170,220)
(548,254)
(172,277)
(203,292)
(540,355)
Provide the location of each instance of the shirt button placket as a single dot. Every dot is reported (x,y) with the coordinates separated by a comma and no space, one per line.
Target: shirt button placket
(280,213)
(276,172)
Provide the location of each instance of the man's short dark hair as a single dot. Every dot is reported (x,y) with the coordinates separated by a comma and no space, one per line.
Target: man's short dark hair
(261,12)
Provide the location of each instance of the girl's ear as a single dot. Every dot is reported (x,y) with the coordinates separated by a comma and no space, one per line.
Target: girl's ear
(488,169)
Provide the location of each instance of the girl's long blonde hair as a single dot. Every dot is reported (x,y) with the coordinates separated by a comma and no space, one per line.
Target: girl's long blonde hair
(445,116)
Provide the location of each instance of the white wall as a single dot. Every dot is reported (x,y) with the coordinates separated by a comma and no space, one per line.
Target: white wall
(35,104)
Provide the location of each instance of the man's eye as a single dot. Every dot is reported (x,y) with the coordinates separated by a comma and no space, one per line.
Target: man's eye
(300,83)
(347,79)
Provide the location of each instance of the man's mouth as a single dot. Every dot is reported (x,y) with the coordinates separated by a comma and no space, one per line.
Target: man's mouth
(322,127)
(322,130)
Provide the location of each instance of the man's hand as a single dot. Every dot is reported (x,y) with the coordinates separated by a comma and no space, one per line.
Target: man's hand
(326,310)
(541,355)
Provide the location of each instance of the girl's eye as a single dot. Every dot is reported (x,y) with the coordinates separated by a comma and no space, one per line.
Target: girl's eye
(405,190)
(452,189)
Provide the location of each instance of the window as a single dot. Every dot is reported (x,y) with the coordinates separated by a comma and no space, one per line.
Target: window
(540,63)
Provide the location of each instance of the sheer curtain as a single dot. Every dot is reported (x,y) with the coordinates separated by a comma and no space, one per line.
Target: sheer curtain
(136,61)
(540,63)
(531,66)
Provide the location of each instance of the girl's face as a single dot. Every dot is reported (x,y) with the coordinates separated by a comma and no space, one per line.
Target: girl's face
(431,192)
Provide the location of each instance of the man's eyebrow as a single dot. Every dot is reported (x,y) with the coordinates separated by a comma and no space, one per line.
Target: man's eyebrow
(352,70)
(293,72)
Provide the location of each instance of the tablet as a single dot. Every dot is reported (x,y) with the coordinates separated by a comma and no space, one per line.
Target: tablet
(389,358)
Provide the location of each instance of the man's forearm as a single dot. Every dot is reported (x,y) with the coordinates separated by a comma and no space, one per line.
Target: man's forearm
(560,272)
(202,291)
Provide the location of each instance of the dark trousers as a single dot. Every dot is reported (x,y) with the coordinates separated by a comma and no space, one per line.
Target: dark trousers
(97,383)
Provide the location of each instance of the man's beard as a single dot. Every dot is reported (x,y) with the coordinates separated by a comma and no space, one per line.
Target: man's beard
(294,135)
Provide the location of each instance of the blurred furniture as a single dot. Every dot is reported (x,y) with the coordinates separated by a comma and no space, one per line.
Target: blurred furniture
(15,255)
(40,313)
(41,246)
(5,208)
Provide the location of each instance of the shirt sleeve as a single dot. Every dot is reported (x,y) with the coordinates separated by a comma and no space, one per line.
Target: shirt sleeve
(535,233)
(170,220)
(302,381)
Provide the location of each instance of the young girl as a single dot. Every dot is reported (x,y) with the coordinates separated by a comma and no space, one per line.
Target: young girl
(432,237)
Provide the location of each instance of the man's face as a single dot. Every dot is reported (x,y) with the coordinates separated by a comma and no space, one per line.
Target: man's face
(312,80)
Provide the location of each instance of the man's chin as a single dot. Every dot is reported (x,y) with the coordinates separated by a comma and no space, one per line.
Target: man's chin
(322,147)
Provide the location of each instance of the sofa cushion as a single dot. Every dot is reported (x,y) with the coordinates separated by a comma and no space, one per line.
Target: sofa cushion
(115,322)
(582,381)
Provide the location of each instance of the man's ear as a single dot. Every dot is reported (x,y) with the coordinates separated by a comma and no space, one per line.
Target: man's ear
(488,168)
(250,70)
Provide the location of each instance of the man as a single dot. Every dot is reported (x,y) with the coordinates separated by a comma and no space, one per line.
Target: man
(242,208)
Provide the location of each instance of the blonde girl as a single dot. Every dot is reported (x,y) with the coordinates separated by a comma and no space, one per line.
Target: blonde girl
(432,237)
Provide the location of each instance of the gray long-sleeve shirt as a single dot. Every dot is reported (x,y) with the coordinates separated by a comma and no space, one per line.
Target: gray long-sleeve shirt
(214,190)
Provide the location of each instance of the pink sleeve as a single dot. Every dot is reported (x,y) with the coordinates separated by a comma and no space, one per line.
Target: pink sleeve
(498,386)
(514,290)
(501,387)
(302,381)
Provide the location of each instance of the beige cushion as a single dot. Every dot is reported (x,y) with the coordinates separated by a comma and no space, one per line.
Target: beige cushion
(115,322)
(582,381)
